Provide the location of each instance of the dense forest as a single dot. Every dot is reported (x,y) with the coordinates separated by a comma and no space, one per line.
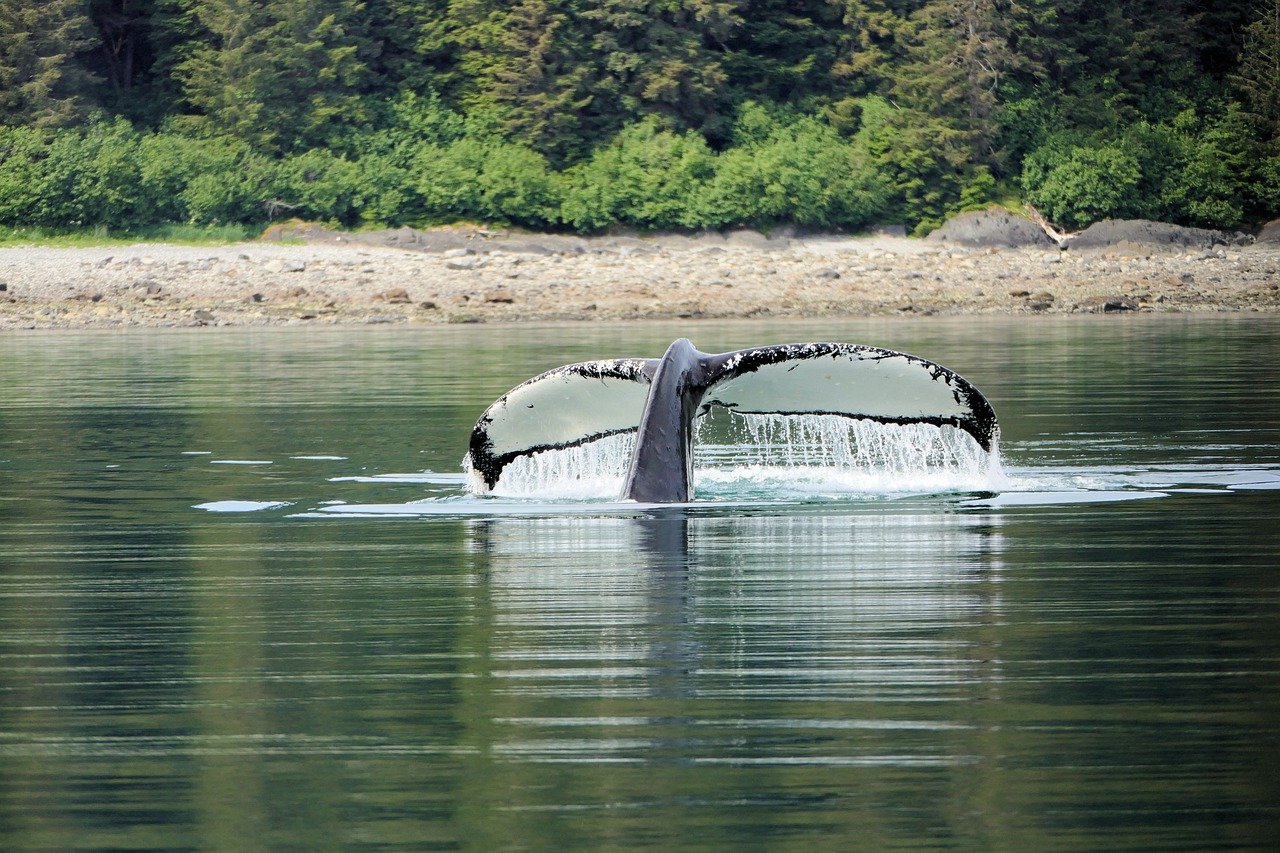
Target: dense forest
(652,114)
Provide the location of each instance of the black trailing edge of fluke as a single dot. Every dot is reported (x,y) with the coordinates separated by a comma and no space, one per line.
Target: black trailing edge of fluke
(659,398)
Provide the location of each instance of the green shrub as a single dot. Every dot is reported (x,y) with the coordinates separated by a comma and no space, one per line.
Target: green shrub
(236,187)
(646,177)
(923,161)
(317,185)
(22,150)
(76,178)
(1087,184)
(1189,171)
(798,171)
(489,180)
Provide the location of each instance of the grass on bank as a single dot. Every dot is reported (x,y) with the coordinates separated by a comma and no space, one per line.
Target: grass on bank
(101,235)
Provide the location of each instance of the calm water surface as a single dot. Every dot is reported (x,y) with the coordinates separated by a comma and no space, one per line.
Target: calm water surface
(223,623)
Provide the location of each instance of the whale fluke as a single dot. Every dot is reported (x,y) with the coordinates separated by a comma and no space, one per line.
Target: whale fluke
(660,399)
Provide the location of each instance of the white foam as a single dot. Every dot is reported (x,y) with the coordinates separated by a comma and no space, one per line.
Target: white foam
(833,454)
(240,506)
(789,454)
(594,470)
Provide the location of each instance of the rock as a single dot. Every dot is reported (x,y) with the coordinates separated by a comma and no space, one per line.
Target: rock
(1141,236)
(3,287)
(306,316)
(282,265)
(395,296)
(1270,232)
(458,253)
(543,245)
(1016,293)
(427,305)
(748,239)
(204,316)
(1041,301)
(888,231)
(828,274)
(1109,304)
(465,264)
(993,227)
(500,295)
(294,292)
(1053,258)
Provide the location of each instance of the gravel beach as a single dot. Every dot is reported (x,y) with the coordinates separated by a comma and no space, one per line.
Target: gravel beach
(312,276)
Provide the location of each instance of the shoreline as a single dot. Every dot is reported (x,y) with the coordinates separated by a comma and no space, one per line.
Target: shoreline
(332,279)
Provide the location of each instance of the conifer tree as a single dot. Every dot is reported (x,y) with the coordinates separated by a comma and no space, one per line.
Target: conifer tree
(280,75)
(662,57)
(957,57)
(1258,77)
(123,39)
(528,64)
(417,45)
(785,50)
(41,83)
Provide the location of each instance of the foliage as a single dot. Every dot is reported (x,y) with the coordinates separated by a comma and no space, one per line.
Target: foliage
(797,171)
(588,114)
(646,177)
(41,84)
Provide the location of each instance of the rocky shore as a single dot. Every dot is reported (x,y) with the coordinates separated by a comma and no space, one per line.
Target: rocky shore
(306,275)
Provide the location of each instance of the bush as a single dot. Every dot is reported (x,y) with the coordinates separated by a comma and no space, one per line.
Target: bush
(21,151)
(797,171)
(317,184)
(488,180)
(1082,185)
(647,177)
(1190,171)
(235,187)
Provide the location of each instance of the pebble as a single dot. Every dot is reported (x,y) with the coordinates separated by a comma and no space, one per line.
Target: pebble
(794,279)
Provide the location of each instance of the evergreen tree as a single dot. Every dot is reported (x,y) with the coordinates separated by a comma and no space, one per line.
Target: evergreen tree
(123,39)
(527,64)
(877,31)
(785,51)
(662,58)
(41,83)
(280,75)
(1258,77)
(417,45)
(957,58)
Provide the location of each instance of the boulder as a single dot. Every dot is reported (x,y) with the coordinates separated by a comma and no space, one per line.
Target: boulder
(994,227)
(1270,232)
(1136,235)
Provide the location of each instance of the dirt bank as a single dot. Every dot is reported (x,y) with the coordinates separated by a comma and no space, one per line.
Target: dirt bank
(324,278)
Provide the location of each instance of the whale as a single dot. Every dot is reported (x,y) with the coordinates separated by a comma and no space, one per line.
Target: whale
(660,399)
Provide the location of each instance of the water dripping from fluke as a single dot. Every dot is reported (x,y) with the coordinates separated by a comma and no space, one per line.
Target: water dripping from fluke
(766,455)
(571,409)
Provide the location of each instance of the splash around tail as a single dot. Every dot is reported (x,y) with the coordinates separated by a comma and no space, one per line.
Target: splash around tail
(647,410)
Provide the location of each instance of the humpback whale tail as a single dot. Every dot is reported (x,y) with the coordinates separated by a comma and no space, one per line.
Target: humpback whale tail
(659,399)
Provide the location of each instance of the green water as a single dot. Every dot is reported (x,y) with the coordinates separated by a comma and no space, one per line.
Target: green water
(1049,668)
